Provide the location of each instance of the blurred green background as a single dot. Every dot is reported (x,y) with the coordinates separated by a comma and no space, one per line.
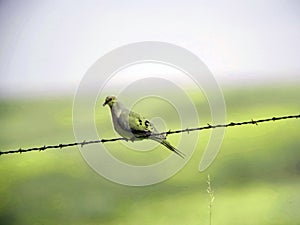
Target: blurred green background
(255,177)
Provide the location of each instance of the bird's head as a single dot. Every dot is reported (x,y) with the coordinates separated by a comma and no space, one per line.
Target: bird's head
(110,100)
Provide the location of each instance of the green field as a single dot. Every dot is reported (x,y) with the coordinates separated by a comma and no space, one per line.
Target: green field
(255,178)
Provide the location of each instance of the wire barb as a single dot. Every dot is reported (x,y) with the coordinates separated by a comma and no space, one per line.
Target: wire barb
(187,130)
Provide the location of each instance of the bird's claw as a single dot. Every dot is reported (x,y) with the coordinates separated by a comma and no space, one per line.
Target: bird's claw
(130,139)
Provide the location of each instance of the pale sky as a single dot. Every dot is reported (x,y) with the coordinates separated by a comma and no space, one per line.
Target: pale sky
(47,46)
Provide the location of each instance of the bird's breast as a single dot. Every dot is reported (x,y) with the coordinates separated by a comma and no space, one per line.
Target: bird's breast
(121,130)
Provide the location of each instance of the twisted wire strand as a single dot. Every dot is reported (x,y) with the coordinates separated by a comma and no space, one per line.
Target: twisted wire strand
(187,130)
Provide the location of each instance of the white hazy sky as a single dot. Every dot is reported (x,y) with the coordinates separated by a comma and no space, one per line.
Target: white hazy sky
(46,46)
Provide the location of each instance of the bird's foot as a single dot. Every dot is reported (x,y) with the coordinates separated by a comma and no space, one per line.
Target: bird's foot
(132,139)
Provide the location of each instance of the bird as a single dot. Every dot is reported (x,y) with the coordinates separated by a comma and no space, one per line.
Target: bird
(132,126)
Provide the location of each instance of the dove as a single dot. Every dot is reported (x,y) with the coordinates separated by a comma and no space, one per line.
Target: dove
(133,126)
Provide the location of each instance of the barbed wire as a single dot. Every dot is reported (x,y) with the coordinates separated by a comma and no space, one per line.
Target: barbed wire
(187,130)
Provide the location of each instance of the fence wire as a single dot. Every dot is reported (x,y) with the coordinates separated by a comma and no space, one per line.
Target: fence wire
(187,130)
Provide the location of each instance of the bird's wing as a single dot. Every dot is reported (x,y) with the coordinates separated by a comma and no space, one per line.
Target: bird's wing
(135,125)
(140,126)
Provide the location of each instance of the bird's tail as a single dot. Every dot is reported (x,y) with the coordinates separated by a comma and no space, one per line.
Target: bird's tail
(169,146)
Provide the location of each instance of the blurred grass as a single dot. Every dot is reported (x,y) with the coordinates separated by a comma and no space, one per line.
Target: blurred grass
(255,177)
